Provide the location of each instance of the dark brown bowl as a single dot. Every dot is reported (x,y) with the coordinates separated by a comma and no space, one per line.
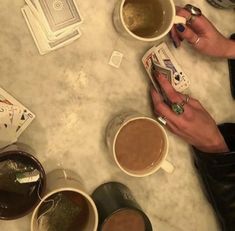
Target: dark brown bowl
(16,205)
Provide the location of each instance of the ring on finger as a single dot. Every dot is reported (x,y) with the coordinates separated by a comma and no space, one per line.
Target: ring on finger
(190,19)
(162,120)
(193,10)
(178,108)
(196,41)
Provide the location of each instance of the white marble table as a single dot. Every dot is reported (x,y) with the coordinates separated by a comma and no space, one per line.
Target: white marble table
(74,93)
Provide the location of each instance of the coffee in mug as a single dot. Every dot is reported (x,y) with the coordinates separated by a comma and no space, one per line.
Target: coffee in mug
(139,144)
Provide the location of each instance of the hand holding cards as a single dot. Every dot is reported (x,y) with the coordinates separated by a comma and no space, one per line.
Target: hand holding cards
(52,23)
(14,119)
(159,58)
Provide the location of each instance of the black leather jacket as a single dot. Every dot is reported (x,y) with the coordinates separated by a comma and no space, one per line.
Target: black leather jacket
(217,172)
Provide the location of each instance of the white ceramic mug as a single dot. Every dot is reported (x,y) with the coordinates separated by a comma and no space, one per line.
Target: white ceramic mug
(169,18)
(114,128)
(60,180)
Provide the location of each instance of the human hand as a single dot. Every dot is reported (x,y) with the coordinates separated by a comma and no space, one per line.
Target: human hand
(203,35)
(194,125)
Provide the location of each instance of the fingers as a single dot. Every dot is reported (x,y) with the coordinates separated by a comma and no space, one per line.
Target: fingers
(187,34)
(195,23)
(183,13)
(173,122)
(161,108)
(175,37)
(171,93)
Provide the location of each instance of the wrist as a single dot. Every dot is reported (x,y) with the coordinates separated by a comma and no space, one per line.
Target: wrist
(229,49)
(215,146)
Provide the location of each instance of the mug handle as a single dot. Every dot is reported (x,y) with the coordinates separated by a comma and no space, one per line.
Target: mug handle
(167,166)
(179,19)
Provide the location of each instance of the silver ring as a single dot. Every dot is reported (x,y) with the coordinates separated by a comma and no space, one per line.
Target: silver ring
(196,42)
(190,19)
(193,10)
(162,120)
(187,97)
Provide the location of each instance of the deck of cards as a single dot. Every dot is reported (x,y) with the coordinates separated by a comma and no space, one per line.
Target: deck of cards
(160,59)
(14,119)
(52,23)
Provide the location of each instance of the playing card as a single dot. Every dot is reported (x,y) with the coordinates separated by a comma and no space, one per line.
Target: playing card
(38,36)
(162,55)
(6,115)
(179,80)
(36,16)
(43,44)
(25,118)
(155,69)
(58,15)
(162,70)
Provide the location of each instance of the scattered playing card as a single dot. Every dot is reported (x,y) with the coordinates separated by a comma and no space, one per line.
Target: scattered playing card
(52,23)
(14,118)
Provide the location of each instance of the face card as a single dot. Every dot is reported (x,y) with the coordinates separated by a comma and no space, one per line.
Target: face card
(24,120)
(179,80)
(6,114)
(162,70)
(155,69)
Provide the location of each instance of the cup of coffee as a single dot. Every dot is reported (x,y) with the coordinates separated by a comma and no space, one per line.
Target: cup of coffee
(65,206)
(147,20)
(22,181)
(118,210)
(139,144)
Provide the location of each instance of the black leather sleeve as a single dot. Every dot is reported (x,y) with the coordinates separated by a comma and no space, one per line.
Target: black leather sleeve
(217,172)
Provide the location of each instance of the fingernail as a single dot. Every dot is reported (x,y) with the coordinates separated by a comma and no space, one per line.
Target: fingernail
(180,27)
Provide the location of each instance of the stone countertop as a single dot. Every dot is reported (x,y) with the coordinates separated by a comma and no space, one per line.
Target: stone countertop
(74,93)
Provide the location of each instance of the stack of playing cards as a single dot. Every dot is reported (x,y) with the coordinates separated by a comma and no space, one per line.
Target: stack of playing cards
(159,58)
(14,119)
(52,23)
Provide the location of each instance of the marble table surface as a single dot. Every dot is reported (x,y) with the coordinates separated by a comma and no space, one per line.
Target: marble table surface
(74,93)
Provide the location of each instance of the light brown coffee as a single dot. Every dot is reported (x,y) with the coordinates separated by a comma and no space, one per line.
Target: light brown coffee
(139,145)
(125,220)
(143,17)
